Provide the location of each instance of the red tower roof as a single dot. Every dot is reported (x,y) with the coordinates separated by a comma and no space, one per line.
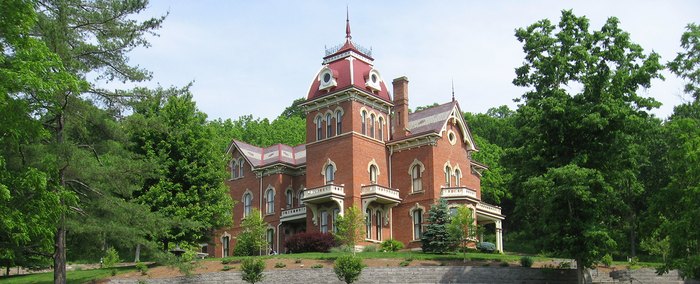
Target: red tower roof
(345,67)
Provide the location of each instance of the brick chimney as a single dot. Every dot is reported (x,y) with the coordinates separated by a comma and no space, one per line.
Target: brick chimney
(400,118)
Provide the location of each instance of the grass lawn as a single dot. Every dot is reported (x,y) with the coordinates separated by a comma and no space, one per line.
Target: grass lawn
(80,276)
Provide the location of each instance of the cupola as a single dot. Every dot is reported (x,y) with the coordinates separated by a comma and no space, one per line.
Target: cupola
(347,66)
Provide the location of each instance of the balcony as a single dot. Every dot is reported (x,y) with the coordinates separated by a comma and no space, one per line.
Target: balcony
(293,214)
(323,194)
(380,194)
(457,193)
(485,207)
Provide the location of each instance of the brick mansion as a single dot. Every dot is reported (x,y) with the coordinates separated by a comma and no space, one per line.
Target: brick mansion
(363,148)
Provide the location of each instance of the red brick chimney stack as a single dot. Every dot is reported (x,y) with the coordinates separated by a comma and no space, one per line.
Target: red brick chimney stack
(400,119)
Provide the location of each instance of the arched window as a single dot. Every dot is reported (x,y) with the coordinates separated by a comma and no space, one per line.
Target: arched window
(234,169)
(319,128)
(371,125)
(336,212)
(329,126)
(416,179)
(330,172)
(381,129)
(378,215)
(363,117)
(300,195)
(368,224)
(225,245)
(290,198)
(338,122)
(417,224)
(247,202)
(324,221)
(270,237)
(448,175)
(241,162)
(458,177)
(373,174)
(270,194)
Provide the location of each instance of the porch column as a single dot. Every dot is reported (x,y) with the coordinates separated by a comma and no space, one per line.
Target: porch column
(499,236)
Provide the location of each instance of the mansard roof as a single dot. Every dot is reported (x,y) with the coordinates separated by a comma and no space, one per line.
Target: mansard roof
(276,154)
(434,121)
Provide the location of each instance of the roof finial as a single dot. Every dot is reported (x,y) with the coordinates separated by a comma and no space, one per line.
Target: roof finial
(347,23)
(453,90)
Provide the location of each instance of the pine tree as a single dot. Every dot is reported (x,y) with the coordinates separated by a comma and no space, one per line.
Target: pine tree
(436,238)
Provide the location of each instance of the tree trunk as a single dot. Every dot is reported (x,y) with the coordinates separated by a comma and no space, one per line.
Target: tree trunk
(579,272)
(633,238)
(137,254)
(59,258)
(7,271)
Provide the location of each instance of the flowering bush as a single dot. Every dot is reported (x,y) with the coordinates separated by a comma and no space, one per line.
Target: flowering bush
(310,242)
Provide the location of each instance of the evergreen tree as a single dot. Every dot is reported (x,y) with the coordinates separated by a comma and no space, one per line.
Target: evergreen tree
(436,238)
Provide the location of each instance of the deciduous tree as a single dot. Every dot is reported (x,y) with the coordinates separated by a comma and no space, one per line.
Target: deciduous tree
(589,131)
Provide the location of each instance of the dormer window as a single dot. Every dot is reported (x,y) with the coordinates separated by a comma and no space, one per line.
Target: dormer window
(326,79)
(374,80)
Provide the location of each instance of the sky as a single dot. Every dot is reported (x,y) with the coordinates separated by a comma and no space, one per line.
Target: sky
(256,57)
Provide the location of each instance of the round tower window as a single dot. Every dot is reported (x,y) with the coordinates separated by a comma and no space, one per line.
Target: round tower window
(374,78)
(326,77)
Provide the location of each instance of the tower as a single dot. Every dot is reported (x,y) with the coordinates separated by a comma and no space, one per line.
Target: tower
(348,121)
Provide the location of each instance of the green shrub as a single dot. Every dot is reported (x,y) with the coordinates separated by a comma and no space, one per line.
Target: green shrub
(404,263)
(113,272)
(142,267)
(409,259)
(504,264)
(111,258)
(341,249)
(227,268)
(348,268)
(391,245)
(369,248)
(607,260)
(526,261)
(317,266)
(298,260)
(252,270)
(280,265)
(486,247)
(226,261)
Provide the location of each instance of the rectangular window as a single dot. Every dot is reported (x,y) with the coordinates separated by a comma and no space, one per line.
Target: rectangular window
(368,224)
(417,222)
(225,241)
(324,221)
(379,225)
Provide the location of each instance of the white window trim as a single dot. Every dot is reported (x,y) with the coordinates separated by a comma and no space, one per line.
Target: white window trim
(323,170)
(247,192)
(270,210)
(410,214)
(418,163)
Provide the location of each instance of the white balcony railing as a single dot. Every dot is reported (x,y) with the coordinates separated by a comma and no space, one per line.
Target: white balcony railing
(294,212)
(456,192)
(380,191)
(488,208)
(329,189)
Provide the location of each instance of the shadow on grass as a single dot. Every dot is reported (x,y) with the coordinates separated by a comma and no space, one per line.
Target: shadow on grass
(79,276)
